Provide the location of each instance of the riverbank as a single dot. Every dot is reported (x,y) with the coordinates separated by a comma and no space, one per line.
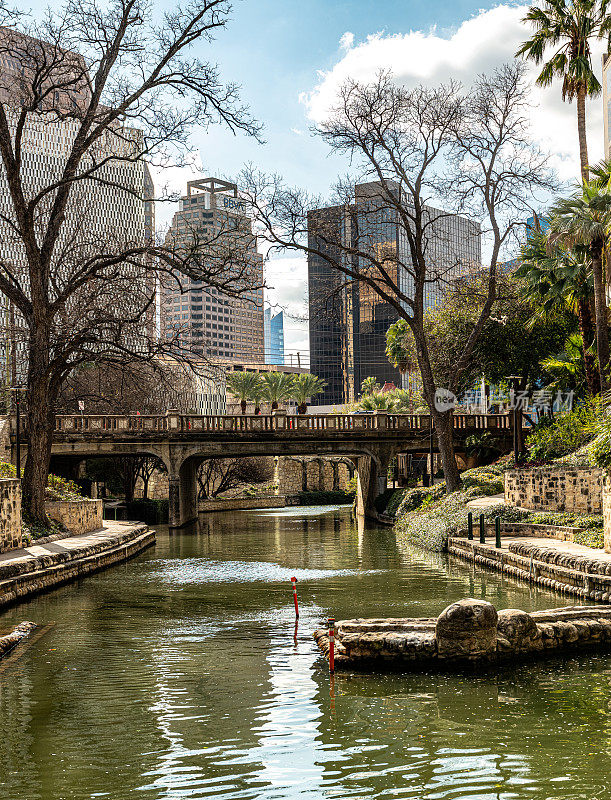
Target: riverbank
(563,566)
(29,570)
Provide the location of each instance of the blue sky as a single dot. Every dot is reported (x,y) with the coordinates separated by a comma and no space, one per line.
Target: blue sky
(276,49)
(290,57)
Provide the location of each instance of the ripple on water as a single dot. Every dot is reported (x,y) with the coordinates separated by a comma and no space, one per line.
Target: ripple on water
(199,570)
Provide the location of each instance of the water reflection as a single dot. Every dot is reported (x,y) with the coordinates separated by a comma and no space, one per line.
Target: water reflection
(182,674)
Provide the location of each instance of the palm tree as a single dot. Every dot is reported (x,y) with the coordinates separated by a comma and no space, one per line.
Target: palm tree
(370,386)
(567,368)
(277,386)
(569,28)
(245,386)
(585,220)
(380,401)
(554,277)
(306,386)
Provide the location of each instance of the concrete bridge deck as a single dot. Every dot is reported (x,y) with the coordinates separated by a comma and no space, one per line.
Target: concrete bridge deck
(182,441)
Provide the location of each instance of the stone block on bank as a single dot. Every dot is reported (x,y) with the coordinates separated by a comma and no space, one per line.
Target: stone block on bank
(10,514)
(78,516)
(469,631)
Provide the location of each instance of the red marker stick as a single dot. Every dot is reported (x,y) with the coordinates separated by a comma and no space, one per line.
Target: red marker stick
(331,644)
(294,582)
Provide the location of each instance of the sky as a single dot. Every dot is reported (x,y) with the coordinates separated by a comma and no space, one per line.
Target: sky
(290,56)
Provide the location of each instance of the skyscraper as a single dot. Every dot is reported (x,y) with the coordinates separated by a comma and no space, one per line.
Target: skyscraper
(348,318)
(106,209)
(207,321)
(274,337)
(607,104)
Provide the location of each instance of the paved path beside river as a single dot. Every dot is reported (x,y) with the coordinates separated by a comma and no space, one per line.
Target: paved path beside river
(39,567)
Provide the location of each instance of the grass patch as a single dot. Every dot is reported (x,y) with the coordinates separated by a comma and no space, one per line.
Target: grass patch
(324,498)
(153,512)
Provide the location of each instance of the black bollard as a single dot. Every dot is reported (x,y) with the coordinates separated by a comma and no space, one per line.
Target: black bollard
(470,525)
(497,530)
(482,529)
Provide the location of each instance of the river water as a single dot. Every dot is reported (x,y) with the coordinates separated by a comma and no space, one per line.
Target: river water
(177,675)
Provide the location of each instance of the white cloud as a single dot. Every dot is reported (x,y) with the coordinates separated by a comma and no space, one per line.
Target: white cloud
(346,41)
(286,277)
(479,44)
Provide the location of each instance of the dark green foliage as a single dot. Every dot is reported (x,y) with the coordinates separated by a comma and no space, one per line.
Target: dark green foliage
(590,538)
(389,501)
(153,512)
(512,342)
(565,433)
(324,498)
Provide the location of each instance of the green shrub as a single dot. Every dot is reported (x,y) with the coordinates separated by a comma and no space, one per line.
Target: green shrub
(324,498)
(389,501)
(590,538)
(153,512)
(565,433)
(414,498)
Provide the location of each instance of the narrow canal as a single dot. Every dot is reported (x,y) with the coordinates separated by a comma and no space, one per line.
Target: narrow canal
(176,675)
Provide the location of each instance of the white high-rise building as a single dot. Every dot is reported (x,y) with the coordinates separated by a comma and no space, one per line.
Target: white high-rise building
(203,318)
(110,209)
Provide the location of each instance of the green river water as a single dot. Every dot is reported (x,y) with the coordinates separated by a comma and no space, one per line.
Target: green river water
(176,675)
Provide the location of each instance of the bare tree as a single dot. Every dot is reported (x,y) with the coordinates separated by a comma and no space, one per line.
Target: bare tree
(418,148)
(218,475)
(107,87)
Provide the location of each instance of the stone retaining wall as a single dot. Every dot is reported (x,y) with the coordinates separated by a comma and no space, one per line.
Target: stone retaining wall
(10,514)
(467,632)
(313,474)
(12,639)
(577,491)
(23,577)
(246,503)
(563,533)
(569,573)
(607,512)
(79,516)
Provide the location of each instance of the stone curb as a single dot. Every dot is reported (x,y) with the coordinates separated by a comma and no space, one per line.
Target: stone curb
(45,572)
(12,639)
(526,562)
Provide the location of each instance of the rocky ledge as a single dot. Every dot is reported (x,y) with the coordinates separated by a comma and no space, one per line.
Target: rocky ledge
(469,631)
(12,639)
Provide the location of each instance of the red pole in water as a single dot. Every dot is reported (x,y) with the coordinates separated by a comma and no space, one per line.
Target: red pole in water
(331,644)
(294,582)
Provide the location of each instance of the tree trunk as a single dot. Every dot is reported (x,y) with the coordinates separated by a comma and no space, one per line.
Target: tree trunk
(587,331)
(600,304)
(445,438)
(275,405)
(581,131)
(257,410)
(302,408)
(243,406)
(145,488)
(40,424)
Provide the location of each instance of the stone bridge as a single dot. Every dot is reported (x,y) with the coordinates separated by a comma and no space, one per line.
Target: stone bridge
(182,441)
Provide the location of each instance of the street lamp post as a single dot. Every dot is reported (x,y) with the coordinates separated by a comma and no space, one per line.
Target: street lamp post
(431,428)
(17,390)
(514,382)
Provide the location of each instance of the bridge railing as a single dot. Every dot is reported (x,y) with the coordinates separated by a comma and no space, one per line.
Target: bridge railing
(173,422)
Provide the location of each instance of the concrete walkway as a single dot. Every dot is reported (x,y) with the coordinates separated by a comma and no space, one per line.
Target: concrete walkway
(69,544)
(40,567)
(486,502)
(568,548)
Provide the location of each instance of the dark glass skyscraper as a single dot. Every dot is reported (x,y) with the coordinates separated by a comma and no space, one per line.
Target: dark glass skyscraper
(348,319)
